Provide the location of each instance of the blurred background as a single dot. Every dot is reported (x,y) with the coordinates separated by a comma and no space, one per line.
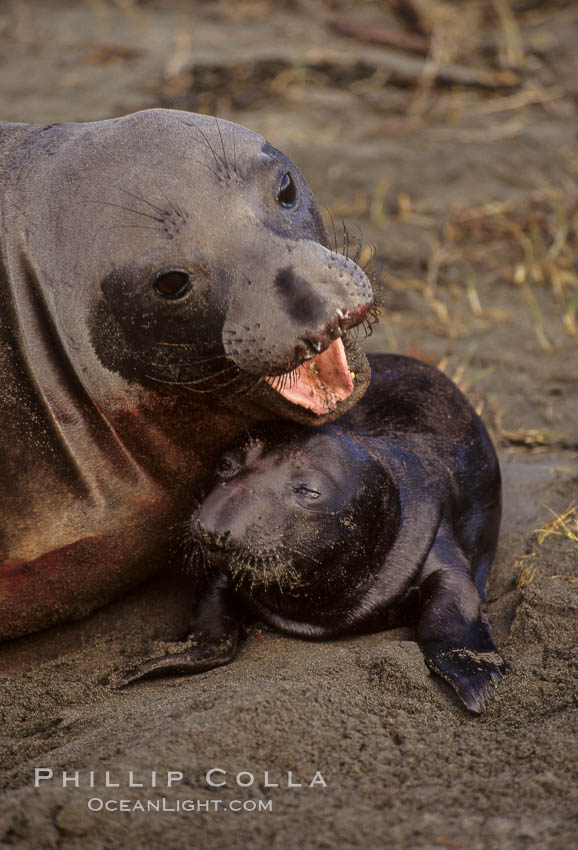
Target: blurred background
(443,132)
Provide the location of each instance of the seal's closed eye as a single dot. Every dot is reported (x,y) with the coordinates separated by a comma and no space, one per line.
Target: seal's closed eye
(173,283)
(305,492)
(287,195)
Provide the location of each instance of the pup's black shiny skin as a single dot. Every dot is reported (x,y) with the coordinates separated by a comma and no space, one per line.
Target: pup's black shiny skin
(323,532)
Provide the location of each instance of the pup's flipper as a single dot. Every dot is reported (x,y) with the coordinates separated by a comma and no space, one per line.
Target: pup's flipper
(214,632)
(453,630)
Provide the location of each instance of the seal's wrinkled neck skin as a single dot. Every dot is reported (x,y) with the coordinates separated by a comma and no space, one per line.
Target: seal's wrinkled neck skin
(165,282)
(287,521)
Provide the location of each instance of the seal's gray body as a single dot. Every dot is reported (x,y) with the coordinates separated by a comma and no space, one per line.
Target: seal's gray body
(115,397)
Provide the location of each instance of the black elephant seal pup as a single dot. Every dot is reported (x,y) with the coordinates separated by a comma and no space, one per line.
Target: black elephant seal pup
(322,532)
(166,282)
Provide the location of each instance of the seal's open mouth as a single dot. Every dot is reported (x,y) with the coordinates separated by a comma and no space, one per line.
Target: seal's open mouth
(320,383)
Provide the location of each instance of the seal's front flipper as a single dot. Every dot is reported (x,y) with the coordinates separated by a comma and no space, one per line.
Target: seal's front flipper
(214,632)
(453,630)
(197,659)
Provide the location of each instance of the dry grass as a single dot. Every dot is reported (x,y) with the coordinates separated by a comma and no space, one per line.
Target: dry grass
(540,233)
(463,376)
(525,569)
(563,525)
(528,244)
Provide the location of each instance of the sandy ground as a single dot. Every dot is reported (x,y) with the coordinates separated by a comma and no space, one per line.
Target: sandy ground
(469,194)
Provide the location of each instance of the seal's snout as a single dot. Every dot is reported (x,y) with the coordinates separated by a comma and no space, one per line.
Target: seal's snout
(322,304)
(209,532)
(288,320)
(327,299)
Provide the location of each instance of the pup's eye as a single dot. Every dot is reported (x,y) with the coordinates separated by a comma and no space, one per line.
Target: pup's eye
(287,195)
(173,284)
(228,466)
(306,492)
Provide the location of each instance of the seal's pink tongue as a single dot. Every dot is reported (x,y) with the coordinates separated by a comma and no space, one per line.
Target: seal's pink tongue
(320,383)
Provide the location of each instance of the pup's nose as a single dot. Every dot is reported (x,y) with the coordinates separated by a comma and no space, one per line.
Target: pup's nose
(206,531)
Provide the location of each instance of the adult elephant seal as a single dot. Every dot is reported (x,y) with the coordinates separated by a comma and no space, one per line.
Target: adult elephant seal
(165,282)
(321,533)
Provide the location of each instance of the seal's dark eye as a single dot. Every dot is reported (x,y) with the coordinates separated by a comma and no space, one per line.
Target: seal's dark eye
(287,195)
(306,492)
(173,284)
(228,466)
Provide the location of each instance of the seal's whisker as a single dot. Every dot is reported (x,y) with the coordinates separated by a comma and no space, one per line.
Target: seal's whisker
(301,552)
(304,554)
(212,389)
(126,209)
(239,325)
(174,384)
(263,570)
(249,388)
(204,164)
(200,392)
(217,159)
(345,241)
(203,380)
(203,361)
(175,209)
(205,562)
(332,220)
(359,248)
(187,345)
(210,377)
(372,254)
(234,144)
(222,146)
(134,227)
(142,200)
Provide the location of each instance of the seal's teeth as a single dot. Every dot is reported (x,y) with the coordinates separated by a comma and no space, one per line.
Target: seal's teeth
(316,346)
(340,313)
